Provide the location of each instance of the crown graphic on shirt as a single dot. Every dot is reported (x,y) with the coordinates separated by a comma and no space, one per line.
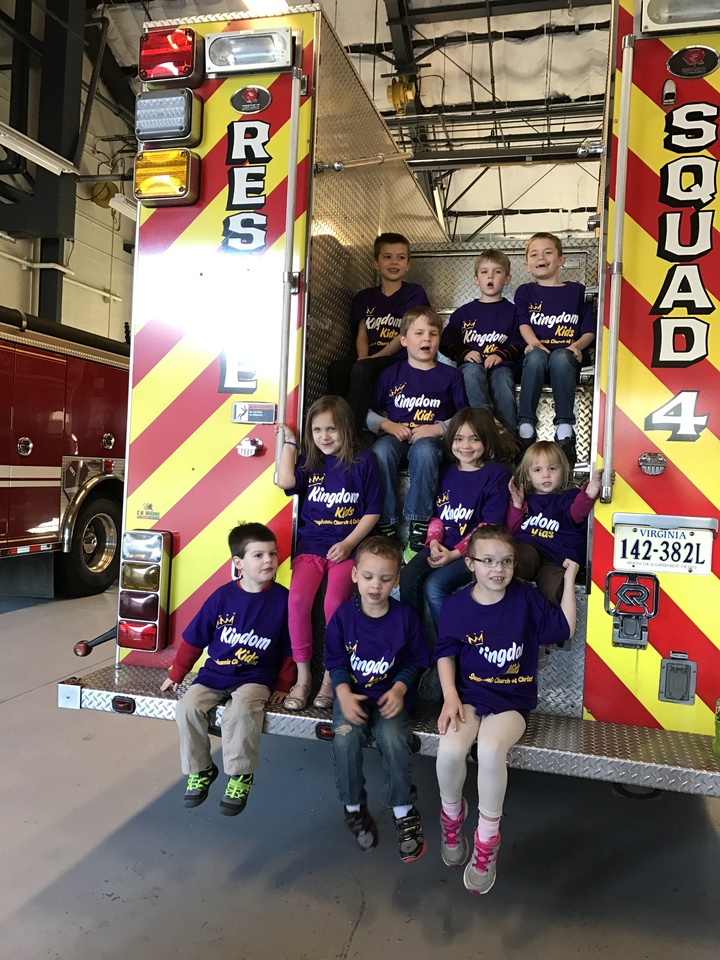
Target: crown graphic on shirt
(316,478)
(535,306)
(443,499)
(468,324)
(475,639)
(225,621)
(396,390)
(369,311)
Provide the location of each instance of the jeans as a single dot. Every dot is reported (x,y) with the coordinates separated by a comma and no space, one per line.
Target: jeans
(492,389)
(394,741)
(418,580)
(423,460)
(563,369)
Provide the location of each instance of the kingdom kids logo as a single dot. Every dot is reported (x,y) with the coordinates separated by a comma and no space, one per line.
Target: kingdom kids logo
(147,512)
(689,184)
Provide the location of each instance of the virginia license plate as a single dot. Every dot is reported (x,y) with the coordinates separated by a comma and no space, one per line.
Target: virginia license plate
(652,549)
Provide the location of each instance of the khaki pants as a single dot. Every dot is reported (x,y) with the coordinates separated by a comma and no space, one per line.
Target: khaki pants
(241,727)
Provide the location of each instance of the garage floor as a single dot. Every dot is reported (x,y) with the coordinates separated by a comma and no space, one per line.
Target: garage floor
(100,859)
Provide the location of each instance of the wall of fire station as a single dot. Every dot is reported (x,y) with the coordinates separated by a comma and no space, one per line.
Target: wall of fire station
(96,256)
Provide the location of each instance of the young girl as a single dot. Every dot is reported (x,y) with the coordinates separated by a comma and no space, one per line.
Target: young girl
(338,489)
(547,518)
(472,490)
(487,654)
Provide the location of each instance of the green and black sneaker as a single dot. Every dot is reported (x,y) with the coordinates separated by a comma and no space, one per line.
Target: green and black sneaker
(387,530)
(416,540)
(236,794)
(198,786)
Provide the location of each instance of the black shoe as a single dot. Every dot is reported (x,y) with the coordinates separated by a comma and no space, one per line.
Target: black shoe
(416,539)
(410,836)
(524,442)
(236,794)
(363,827)
(568,448)
(388,530)
(198,786)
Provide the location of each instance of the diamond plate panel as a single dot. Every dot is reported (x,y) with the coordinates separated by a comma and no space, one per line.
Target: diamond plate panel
(350,208)
(561,682)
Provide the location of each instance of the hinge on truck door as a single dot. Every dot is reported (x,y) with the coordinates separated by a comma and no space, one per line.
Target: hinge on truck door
(294,280)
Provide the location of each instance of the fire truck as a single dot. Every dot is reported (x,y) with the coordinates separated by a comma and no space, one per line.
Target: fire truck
(263,174)
(63,415)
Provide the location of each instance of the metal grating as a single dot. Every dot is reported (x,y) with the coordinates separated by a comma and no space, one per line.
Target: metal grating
(570,746)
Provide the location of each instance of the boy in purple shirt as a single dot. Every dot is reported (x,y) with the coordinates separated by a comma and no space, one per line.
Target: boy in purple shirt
(557,326)
(375,648)
(483,339)
(244,626)
(419,396)
(376,315)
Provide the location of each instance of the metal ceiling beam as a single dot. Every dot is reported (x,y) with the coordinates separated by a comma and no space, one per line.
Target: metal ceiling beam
(456,159)
(468,11)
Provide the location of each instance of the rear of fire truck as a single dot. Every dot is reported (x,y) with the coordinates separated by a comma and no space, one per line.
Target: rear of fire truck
(258,211)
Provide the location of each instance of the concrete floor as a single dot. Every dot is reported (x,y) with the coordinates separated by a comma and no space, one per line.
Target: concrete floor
(100,859)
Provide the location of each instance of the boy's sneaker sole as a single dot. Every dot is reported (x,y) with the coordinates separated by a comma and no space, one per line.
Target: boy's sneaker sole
(411,842)
(199,786)
(363,827)
(236,794)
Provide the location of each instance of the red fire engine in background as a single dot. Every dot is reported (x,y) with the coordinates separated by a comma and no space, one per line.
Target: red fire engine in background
(63,412)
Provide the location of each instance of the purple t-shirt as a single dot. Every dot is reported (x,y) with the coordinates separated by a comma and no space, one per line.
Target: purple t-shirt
(382,315)
(548,526)
(246,635)
(558,315)
(376,649)
(466,498)
(333,500)
(418,397)
(489,328)
(496,645)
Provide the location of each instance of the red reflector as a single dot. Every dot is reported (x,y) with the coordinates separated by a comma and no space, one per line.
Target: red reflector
(167,54)
(324,731)
(123,704)
(137,636)
(138,606)
(108,466)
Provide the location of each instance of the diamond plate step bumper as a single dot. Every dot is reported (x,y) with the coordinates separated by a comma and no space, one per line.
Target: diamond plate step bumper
(636,756)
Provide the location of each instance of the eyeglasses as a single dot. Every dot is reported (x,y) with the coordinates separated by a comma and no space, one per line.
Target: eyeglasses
(490,562)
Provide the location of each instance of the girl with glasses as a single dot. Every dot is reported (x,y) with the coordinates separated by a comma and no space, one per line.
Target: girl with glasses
(487,657)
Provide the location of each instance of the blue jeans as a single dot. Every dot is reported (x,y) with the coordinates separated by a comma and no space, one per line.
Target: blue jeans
(394,741)
(423,459)
(418,580)
(563,369)
(492,389)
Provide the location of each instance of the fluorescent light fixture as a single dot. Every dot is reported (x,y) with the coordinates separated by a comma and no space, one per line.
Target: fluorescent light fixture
(659,15)
(124,206)
(12,139)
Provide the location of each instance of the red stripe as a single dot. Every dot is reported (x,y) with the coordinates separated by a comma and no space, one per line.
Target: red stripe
(150,344)
(608,699)
(672,629)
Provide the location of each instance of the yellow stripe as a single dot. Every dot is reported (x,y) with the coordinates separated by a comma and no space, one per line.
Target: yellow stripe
(190,568)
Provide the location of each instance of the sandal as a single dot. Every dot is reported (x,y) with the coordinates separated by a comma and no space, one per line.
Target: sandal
(297,698)
(324,698)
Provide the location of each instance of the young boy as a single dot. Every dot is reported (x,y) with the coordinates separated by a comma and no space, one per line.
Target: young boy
(482,337)
(375,648)
(376,315)
(244,626)
(419,396)
(557,325)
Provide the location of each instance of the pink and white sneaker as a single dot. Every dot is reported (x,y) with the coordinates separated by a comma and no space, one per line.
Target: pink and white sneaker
(480,873)
(454,846)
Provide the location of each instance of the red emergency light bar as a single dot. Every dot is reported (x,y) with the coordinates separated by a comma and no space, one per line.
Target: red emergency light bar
(170,56)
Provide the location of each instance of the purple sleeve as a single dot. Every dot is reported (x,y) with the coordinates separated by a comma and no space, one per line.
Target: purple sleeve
(587,315)
(381,390)
(358,310)
(335,653)
(300,485)
(497,497)
(458,393)
(416,297)
(417,647)
(372,484)
(553,626)
(199,632)
(522,304)
(450,340)
(446,644)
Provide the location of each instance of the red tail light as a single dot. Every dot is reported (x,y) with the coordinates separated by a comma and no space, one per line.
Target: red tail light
(169,55)
(137,636)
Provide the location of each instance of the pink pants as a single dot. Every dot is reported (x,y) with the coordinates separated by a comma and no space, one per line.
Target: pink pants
(307,575)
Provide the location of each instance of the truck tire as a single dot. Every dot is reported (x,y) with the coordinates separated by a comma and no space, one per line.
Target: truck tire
(93,562)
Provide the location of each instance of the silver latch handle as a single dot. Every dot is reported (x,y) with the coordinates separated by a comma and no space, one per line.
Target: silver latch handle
(24,446)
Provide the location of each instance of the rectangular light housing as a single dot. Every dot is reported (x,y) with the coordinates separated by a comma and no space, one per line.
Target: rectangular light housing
(665,16)
(248,51)
(166,178)
(144,590)
(171,118)
(171,57)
